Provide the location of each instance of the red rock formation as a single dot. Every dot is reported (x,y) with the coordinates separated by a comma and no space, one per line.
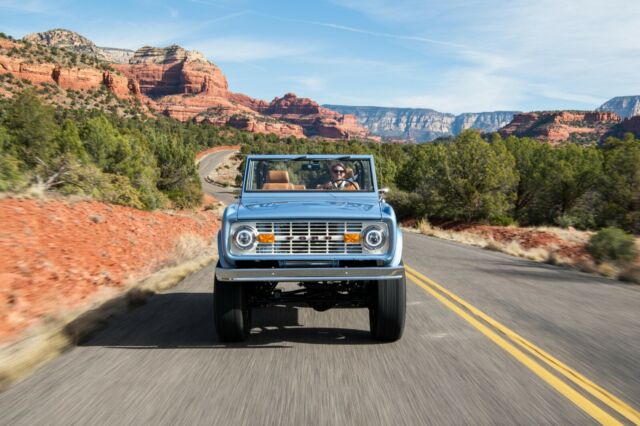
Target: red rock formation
(249,120)
(173,70)
(134,87)
(314,119)
(255,104)
(68,78)
(118,84)
(184,85)
(559,126)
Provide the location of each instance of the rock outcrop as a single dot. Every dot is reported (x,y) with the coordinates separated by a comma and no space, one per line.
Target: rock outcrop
(74,42)
(421,124)
(181,84)
(75,78)
(314,119)
(559,126)
(174,70)
(483,121)
(624,106)
(117,55)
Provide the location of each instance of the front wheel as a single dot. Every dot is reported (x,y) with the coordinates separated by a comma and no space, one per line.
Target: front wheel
(231,313)
(387,308)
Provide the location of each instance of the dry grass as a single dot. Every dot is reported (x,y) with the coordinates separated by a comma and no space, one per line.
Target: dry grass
(189,246)
(630,274)
(571,235)
(461,237)
(513,247)
(548,255)
(51,340)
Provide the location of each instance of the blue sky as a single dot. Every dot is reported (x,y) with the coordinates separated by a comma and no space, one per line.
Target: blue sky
(452,56)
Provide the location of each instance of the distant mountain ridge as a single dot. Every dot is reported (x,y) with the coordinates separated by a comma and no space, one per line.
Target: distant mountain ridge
(79,44)
(172,81)
(422,124)
(624,106)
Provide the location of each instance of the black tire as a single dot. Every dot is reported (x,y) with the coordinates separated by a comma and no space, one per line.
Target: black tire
(387,309)
(231,314)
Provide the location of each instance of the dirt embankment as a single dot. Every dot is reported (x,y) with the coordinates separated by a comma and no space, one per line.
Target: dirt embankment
(566,244)
(59,256)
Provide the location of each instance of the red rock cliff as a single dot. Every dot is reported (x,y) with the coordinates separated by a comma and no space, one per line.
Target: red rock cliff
(186,86)
(559,126)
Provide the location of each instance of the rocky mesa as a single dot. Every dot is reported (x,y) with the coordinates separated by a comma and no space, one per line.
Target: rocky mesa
(421,124)
(560,126)
(179,83)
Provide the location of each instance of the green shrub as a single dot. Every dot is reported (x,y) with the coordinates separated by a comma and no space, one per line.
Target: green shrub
(612,245)
(11,178)
(406,204)
(503,220)
(118,190)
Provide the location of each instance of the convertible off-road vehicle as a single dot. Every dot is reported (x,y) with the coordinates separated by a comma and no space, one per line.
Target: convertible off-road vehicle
(318,221)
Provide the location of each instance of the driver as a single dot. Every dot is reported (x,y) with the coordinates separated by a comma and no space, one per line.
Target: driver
(338,178)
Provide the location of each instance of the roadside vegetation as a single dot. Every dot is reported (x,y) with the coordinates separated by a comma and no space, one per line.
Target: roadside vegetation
(132,160)
(475,179)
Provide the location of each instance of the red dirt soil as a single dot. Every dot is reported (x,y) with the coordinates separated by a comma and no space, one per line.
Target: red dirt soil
(59,255)
(529,239)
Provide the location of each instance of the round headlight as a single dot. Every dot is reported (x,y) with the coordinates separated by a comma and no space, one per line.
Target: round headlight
(245,237)
(374,237)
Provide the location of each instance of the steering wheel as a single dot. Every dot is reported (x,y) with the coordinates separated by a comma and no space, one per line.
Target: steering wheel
(350,182)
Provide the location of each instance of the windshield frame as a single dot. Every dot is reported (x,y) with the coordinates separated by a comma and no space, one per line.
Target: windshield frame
(249,169)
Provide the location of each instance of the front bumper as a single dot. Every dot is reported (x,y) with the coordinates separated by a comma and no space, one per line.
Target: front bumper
(374,273)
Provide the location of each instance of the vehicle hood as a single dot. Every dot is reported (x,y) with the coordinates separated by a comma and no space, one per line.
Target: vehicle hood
(293,210)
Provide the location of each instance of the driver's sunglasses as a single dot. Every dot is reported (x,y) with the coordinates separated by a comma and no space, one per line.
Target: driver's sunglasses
(338,171)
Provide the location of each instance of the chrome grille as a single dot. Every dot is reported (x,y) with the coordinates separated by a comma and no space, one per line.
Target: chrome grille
(309,237)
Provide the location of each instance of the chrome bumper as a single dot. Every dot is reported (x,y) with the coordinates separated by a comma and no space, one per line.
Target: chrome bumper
(311,274)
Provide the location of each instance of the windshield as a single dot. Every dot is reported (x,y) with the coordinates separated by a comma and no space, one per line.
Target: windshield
(309,175)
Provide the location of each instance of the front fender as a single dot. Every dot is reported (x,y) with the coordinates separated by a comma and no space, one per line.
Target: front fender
(397,255)
(221,255)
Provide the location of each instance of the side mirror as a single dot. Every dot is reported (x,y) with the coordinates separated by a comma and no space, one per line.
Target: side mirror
(383,191)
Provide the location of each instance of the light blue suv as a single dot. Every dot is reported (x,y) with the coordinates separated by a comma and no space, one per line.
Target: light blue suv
(318,221)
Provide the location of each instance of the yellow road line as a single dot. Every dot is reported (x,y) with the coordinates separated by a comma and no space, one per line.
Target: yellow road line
(601,394)
(587,406)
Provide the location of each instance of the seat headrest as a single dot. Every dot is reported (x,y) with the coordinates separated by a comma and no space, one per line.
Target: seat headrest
(348,172)
(278,176)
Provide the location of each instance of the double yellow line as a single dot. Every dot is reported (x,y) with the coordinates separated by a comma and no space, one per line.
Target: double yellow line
(531,356)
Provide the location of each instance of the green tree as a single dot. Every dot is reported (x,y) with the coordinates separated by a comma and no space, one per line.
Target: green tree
(621,184)
(468,179)
(68,141)
(533,164)
(31,127)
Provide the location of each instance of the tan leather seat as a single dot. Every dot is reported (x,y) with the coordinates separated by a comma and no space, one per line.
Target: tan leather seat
(278,179)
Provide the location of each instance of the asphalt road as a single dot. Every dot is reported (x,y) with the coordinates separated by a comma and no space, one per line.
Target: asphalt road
(163,364)
(206,166)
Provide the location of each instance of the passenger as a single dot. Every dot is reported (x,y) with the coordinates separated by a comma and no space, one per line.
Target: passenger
(339,179)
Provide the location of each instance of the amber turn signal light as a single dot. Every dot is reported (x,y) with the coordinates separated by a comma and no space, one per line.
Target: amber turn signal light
(351,238)
(266,238)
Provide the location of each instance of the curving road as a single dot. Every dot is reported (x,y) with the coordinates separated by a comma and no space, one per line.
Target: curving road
(490,339)
(208,165)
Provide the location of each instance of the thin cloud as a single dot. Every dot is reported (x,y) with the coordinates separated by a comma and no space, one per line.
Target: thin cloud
(33,6)
(554,50)
(367,32)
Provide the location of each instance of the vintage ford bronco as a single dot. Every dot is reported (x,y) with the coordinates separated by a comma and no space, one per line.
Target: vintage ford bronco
(318,221)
